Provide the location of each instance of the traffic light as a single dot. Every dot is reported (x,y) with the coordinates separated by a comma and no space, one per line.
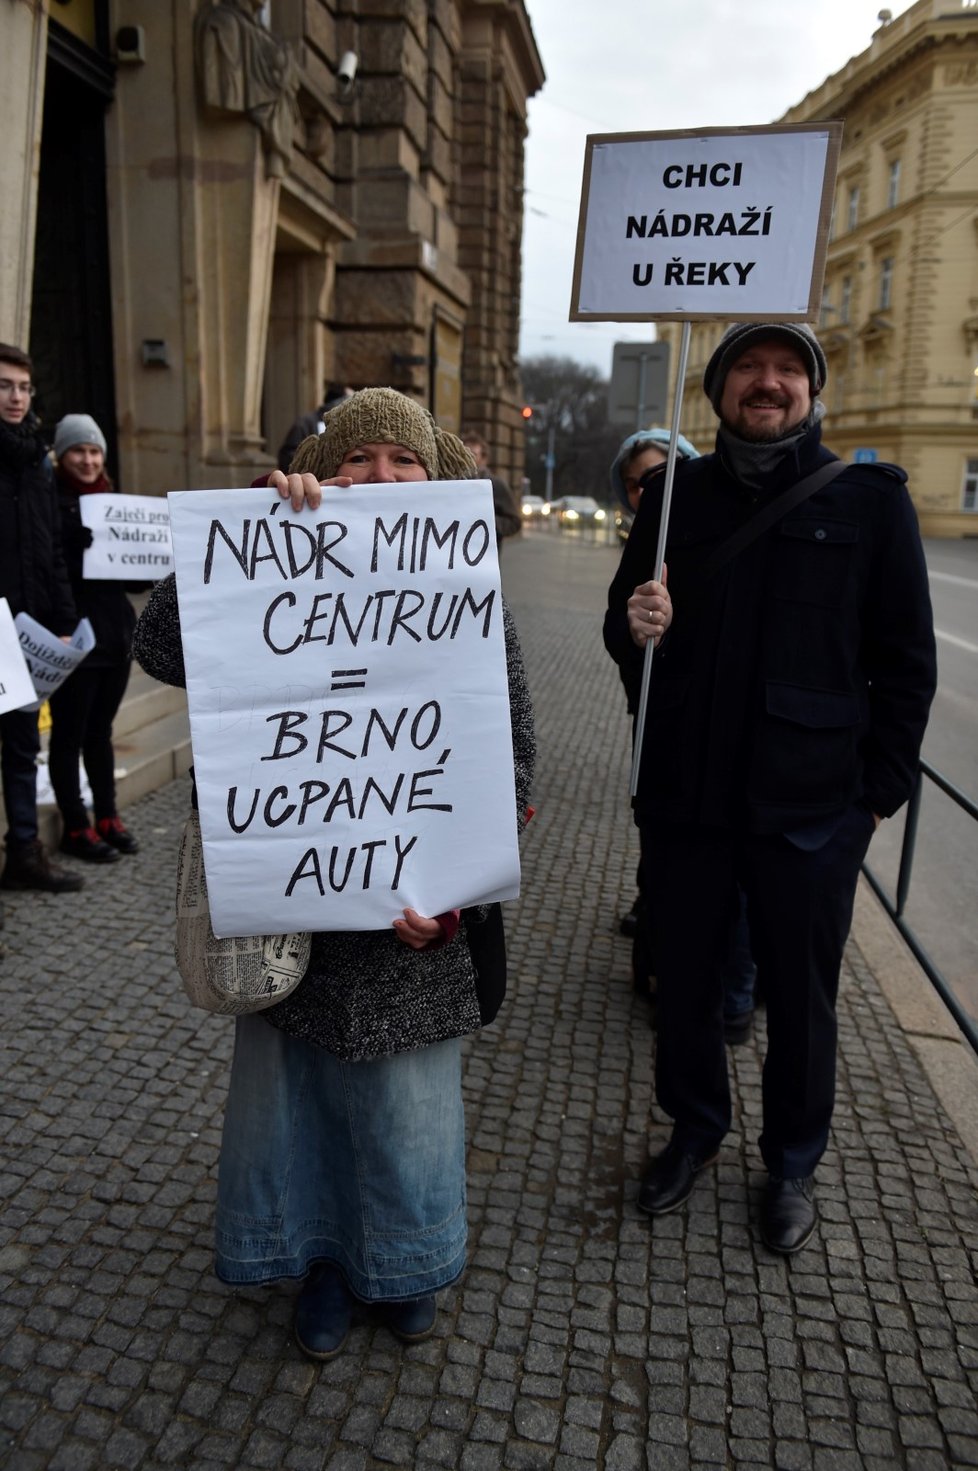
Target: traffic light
(527,411)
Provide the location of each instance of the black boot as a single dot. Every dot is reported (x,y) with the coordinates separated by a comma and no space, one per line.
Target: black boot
(84,842)
(112,831)
(29,867)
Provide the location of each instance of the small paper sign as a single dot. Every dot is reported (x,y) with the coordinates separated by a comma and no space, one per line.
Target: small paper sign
(16,685)
(130,537)
(49,659)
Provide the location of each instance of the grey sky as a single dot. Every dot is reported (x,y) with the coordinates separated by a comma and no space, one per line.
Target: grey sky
(611,68)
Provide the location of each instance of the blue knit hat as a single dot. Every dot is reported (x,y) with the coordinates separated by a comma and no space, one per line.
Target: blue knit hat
(644,439)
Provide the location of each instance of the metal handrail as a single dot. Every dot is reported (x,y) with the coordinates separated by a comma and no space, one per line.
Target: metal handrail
(940,983)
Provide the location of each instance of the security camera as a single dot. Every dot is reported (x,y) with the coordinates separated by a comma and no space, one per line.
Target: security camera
(346,72)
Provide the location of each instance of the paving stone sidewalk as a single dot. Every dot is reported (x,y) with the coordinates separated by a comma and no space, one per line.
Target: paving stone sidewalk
(581,1336)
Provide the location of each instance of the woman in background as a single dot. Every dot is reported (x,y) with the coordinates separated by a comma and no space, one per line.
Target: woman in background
(639,457)
(638,454)
(83,709)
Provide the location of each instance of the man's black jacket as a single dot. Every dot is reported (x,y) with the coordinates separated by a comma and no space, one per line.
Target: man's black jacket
(799,678)
(33,576)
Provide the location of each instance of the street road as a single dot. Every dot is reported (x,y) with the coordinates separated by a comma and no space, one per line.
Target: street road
(943,904)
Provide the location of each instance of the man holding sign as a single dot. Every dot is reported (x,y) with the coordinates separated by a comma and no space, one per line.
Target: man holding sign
(793,674)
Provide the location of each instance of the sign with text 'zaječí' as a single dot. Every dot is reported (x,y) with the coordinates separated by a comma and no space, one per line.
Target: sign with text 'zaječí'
(349,704)
(130,537)
(715,223)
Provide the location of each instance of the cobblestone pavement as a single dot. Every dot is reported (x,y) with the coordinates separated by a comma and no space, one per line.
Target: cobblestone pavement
(580,1337)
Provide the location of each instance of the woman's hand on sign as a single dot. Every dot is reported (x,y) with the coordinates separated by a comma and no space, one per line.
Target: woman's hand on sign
(303,490)
(650,611)
(416,930)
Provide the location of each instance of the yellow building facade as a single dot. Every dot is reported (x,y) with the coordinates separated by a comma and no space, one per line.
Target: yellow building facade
(899,318)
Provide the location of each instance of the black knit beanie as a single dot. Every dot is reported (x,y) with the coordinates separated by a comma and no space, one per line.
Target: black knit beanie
(742,335)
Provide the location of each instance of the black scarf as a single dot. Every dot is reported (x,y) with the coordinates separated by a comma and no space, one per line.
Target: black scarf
(21,444)
(755,462)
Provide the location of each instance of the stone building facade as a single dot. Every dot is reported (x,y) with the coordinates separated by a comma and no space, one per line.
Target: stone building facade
(216,206)
(899,318)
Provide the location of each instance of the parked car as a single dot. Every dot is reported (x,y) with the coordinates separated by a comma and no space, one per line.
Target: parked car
(576,511)
(534,506)
(623,522)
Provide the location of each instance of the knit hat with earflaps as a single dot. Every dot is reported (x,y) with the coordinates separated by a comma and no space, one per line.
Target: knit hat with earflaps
(383,416)
(742,335)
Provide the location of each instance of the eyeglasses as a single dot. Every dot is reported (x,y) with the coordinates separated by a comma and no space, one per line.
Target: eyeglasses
(8,386)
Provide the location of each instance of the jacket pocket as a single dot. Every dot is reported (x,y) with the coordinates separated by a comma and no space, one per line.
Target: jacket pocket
(814,560)
(818,709)
(807,749)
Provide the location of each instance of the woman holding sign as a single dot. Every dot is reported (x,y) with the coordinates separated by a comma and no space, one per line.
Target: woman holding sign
(343,1152)
(83,709)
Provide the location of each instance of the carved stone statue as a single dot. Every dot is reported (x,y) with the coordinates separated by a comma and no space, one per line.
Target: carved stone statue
(243,68)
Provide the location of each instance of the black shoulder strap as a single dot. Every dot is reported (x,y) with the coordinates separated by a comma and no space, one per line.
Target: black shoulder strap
(767,516)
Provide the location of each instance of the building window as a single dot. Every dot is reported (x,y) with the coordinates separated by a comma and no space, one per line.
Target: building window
(845,299)
(886,283)
(893,185)
(826,310)
(853,214)
(969,496)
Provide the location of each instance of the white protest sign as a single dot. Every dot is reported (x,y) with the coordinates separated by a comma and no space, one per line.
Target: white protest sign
(718,223)
(16,685)
(349,707)
(130,537)
(49,659)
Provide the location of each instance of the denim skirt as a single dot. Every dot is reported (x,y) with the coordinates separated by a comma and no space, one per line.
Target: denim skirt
(361,1164)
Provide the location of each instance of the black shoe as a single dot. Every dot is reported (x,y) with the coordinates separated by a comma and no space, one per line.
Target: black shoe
(85,843)
(788,1213)
(323,1314)
(628,924)
(29,867)
(737,1028)
(643,984)
(670,1179)
(411,1321)
(111,831)
(643,965)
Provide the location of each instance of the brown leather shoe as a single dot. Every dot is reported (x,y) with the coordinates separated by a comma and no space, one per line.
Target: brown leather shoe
(29,867)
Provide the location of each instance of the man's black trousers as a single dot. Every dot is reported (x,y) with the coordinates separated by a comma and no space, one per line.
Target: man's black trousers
(799,907)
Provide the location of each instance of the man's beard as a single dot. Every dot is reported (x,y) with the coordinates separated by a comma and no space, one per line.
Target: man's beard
(761,433)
